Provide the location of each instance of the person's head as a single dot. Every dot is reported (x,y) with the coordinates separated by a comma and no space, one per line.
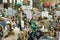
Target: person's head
(24,15)
(34,17)
(8,26)
(27,24)
(2,18)
(12,33)
(0,27)
(42,23)
(13,25)
(21,35)
(19,9)
(52,28)
(38,27)
(25,32)
(12,18)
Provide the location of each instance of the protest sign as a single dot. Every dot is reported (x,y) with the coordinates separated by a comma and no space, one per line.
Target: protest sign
(44,13)
(57,13)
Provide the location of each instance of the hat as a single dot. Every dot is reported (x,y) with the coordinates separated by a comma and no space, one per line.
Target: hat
(3,18)
(38,26)
(45,30)
(7,22)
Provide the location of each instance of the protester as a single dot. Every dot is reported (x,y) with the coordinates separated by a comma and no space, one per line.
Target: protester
(21,35)
(33,23)
(27,26)
(30,34)
(16,30)
(7,30)
(45,36)
(52,32)
(11,36)
(37,33)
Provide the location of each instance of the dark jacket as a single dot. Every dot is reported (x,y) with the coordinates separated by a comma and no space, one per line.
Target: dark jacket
(37,34)
(30,36)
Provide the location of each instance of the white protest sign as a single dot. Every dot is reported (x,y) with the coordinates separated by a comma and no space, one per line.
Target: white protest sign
(44,13)
(57,13)
(10,12)
(28,13)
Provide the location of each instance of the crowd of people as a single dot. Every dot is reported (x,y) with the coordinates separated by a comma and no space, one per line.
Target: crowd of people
(34,29)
